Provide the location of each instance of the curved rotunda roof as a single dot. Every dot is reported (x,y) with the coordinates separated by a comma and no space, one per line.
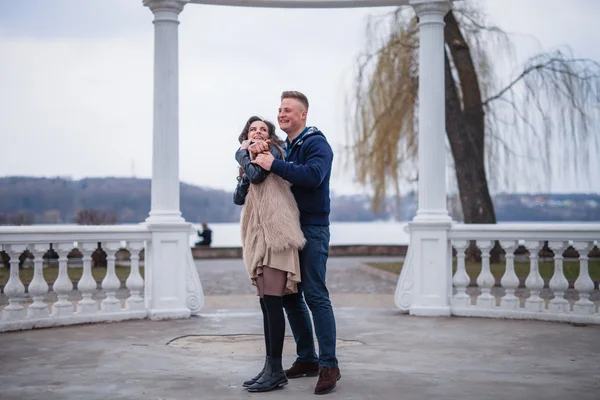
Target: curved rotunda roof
(304,3)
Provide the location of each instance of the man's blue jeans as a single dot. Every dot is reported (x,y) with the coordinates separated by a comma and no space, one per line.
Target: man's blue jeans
(313,267)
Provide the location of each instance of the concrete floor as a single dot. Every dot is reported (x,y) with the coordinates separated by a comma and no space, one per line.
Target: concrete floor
(383,354)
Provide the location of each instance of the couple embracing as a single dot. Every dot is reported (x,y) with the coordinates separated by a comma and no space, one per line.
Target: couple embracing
(284,189)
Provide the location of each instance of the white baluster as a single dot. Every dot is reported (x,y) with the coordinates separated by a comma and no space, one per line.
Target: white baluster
(38,286)
(584,284)
(510,280)
(87,284)
(485,280)
(135,282)
(559,283)
(63,285)
(534,281)
(14,288)
(461,279)
(110,283)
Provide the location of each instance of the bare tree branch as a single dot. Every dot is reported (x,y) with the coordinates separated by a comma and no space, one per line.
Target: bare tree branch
(557,58)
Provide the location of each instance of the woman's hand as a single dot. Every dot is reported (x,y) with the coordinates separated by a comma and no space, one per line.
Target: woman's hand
(245,145)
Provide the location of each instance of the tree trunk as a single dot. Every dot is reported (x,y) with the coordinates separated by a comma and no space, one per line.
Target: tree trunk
(465,128)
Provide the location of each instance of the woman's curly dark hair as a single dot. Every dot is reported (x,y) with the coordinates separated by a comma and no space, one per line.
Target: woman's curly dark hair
(272,135)
(275,140)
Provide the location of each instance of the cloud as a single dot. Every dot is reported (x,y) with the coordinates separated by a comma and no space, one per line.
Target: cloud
(71,18)
(77,78)
(81,105)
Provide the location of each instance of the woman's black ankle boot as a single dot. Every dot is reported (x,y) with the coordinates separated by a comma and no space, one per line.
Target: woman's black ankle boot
(262,371)
(272,378)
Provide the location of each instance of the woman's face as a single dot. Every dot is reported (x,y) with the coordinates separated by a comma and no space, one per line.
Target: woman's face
(258,131)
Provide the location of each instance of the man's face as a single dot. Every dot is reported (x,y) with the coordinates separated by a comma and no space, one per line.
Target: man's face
(292,116)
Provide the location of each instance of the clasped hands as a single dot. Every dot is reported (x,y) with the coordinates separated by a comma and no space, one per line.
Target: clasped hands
(261,153)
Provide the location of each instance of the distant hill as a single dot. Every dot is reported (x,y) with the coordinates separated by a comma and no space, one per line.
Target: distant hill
(57,200)
(27,200)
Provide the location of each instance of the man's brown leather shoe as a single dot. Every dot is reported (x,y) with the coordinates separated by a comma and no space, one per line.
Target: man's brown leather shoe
(328,377)
(300,369)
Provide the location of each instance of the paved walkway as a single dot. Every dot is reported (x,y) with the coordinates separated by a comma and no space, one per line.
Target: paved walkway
(383,354)
(227,277)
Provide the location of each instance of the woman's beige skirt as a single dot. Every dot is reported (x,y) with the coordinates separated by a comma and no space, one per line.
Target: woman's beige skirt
(286,260)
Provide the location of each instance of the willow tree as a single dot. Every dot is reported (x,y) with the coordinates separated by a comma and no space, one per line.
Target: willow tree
(546,116)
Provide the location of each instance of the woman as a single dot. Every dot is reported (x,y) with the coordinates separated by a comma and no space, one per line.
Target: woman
(271,238)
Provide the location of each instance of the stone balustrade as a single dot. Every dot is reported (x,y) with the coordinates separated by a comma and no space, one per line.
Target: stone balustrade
(75,303)
(555,304)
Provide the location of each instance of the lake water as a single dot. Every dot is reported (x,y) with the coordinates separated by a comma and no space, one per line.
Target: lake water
(342,233)
(346,233)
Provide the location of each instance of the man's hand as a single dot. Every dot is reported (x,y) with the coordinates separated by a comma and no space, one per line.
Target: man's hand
(265,160)
(259,147)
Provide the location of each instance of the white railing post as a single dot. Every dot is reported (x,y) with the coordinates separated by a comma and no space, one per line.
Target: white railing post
(135,282)
(558,283)
(63,285)
(38,287)
(427,279)
(87,284)
(534,281)
(110,283)
(461,279)
(584,284)
(510,280)
(14,288)
(485,280)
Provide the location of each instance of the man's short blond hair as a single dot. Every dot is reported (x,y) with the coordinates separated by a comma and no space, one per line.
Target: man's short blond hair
(292,94)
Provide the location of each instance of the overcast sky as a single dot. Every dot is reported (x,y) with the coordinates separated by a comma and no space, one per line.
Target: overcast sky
(76,80)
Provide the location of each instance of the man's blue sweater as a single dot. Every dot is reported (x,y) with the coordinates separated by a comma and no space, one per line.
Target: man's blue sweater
(308,168)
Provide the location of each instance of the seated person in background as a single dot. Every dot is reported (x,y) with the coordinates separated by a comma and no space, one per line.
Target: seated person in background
(206,235)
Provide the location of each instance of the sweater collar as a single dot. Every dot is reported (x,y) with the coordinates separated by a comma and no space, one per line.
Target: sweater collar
(309,130)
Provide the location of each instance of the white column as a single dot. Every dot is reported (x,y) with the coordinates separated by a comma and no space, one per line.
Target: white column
(165,143)
(432,110)
(172,287)
(425,284)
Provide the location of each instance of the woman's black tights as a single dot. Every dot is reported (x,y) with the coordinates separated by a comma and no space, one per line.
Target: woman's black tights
(271,284)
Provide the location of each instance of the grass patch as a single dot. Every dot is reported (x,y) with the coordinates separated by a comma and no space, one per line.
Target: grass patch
(51,274)
(570,268)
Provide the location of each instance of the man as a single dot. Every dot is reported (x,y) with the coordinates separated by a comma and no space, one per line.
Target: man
(206,235)
(307,167)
